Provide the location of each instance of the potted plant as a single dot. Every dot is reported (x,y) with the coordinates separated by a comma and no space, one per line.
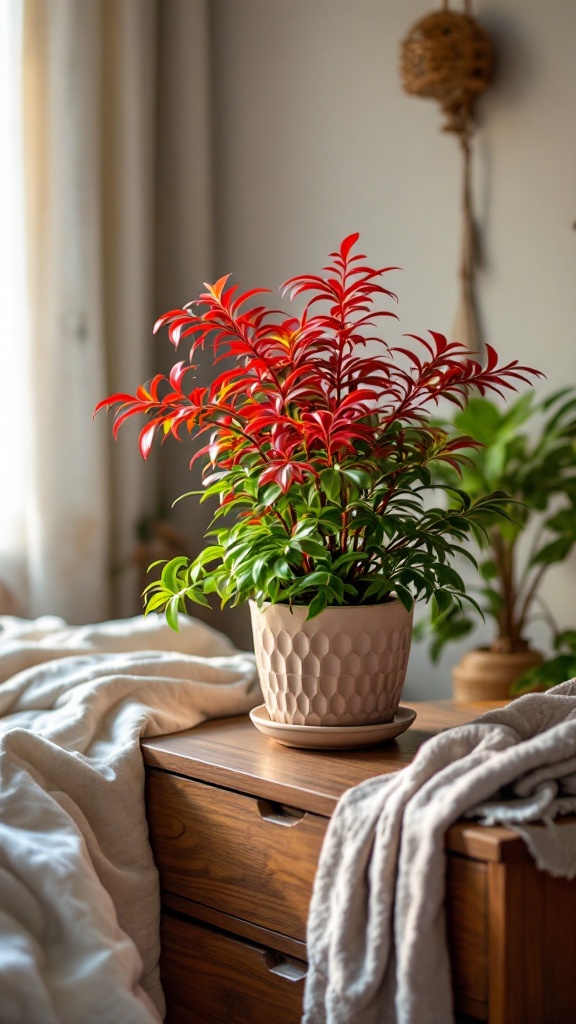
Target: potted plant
(528,450)
(319,452)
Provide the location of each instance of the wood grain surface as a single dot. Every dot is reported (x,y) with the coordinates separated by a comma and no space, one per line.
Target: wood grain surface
(254,933)
(237,823)
(531,946)
(243,856)
(311,779)
(212,978)
(467,928)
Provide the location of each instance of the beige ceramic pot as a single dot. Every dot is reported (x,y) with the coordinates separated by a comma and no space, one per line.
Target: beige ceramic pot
(344,667)
(483,674)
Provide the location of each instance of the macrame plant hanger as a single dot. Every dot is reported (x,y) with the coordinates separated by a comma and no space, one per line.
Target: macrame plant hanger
(447,56)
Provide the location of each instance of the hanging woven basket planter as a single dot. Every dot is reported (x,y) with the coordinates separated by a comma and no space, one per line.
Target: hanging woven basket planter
(448,57)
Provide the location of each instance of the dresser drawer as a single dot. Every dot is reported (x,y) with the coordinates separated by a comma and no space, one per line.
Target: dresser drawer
(210,977)
(467,928)
(244,856)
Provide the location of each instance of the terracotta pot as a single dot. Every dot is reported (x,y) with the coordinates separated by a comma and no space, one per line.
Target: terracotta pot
(344,667)
(483,674)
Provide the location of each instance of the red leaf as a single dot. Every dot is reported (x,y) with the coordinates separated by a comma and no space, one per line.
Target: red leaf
(348,243)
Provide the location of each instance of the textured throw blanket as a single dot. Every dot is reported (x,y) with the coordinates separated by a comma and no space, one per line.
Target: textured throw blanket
(376,934)
(79,897)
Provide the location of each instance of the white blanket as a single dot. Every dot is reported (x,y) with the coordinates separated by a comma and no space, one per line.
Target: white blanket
(376,935)
(79,898)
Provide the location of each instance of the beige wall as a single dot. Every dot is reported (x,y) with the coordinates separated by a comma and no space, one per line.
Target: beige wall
(313,138)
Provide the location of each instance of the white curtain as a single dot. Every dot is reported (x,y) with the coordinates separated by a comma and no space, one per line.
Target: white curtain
(14,331)
(71,499)
(106,215)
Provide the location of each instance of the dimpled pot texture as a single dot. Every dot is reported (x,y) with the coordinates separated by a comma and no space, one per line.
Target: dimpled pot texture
(344,667)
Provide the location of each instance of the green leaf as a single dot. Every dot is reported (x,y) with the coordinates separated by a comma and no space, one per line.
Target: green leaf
(209,554)
(317,605)
(282,570)
(443,601)
(156,602)
(171,572)
(480,419)
(557,551)
(330,483)
(172,609)
(551,673)
(404,596)
(563,521)
(350,558)
(379,589)
(313,547)
(336,587)
(567,638)
(488,569)
(517,413)
(198,598)
(360,477)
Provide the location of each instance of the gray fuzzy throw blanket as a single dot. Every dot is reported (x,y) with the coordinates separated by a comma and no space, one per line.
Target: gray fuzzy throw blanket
(376,934)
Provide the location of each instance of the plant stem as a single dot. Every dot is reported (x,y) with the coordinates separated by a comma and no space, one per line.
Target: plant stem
(530,595)
(510,627)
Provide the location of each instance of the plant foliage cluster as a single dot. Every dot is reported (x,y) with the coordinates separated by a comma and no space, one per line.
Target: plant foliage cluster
(319,446)
(529,451)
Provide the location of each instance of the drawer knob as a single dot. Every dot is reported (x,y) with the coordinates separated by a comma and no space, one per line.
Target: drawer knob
(292,970)
(279,814)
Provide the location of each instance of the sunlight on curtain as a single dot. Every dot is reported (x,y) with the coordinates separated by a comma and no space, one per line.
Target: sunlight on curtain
(76,254)
(78,110)
(67,502)
(14,336)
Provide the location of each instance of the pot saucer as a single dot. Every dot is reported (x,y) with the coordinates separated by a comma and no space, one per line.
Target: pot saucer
(332,737)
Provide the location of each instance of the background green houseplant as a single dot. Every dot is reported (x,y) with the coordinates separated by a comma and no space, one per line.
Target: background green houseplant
(529,451)
(320,447)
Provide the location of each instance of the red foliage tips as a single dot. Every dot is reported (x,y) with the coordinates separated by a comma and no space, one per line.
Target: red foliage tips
(300,394)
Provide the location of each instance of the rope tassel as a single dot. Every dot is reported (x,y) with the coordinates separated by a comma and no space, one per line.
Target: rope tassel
(466,329)
(448,56)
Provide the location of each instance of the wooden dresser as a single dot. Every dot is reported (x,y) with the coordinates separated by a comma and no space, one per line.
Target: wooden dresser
(236,824)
